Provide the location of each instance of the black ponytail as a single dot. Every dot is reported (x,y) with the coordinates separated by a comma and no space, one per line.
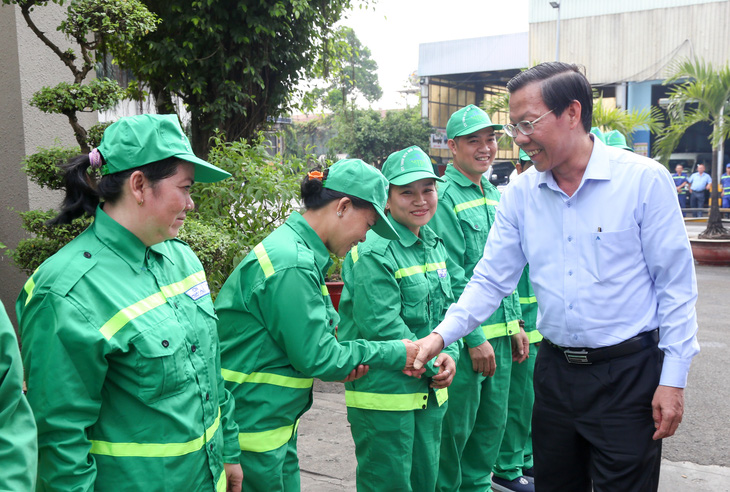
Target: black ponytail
(316,196)
(84,190)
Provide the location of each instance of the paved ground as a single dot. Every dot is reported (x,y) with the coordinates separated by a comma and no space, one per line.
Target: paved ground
(696,459)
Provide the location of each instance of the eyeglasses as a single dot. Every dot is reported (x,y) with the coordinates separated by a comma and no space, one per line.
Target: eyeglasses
(525,127)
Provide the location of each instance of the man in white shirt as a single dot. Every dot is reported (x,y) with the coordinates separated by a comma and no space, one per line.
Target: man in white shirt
(613,274)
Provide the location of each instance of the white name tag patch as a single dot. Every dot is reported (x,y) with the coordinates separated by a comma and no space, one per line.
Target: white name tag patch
(198,291)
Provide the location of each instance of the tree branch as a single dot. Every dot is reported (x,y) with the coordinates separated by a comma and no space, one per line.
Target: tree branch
(65,57)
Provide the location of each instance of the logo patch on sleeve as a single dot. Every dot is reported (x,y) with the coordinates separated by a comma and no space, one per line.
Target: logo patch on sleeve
(442,272)
(198,291)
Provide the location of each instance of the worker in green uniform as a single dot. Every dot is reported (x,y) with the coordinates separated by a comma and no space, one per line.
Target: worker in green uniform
(276,321)
(477,413)
(18,445)
(118,330)
(514,466)
(398,289)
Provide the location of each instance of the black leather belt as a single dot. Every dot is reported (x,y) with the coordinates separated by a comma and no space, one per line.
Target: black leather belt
(585,356)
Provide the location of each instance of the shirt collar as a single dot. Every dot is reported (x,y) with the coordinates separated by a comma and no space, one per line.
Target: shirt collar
(598,168)
(125,244)
(457,177)
(408,239)
(302,228)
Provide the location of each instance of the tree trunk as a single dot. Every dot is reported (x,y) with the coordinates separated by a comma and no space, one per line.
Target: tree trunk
(79,131)
(715,229)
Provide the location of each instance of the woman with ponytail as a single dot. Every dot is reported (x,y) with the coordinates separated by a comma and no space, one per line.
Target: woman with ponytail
(277,323)
(118,331)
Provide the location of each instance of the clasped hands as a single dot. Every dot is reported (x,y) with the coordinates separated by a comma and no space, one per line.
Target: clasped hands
(419,353)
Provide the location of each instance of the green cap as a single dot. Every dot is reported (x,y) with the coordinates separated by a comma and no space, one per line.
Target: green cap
(133,141)
(357,178)
(523,156)
(408,165)
(615,138)
(468,120)
(597,132)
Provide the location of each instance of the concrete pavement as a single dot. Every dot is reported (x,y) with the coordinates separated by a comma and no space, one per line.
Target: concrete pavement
(696,459)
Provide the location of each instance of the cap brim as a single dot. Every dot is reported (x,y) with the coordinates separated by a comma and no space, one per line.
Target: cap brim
(408,178)
(205,172)
(383,227)
(475,128)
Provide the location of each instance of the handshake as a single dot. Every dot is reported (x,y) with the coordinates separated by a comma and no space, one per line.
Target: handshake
(421,351)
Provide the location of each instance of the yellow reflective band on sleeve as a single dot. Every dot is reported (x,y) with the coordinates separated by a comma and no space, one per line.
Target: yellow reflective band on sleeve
(355,254)
(222,484)
(266,378)
(534,336)
(325,291)
(475,203)
(264,260)
(528,300)
(386,402)
(501,329)
(416,269)
(442,395)
(154,450)
(124,316)
(28,288)
(261,442)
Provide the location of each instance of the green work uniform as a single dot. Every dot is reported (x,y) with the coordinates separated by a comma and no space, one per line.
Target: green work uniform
(121,357)
(18,445)
(515,453)
(277,329)
(394,290)
(475,421)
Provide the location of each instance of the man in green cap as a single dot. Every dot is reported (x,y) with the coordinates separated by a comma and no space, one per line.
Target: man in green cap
(475,421)
(394,290)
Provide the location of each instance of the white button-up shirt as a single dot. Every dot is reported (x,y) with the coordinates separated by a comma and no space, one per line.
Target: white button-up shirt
(608,263)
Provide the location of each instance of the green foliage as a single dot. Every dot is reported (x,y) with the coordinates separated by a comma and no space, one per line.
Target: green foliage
(47,240)
(366,135)
(623,120)
(702,93)
(43,167)
(215,247)
(93,137)
(235,65)
(65,98)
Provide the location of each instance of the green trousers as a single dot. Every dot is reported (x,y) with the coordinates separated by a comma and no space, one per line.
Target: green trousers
(397,451)
(273,471)
(515,453)
(475,422)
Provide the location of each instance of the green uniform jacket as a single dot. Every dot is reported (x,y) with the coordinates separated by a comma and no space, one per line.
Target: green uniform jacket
(121,357)
(528,303)
(18,446)
(463,219)
(277,330)
(394,290)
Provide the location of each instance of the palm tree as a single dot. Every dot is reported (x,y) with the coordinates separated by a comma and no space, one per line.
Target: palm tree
(702,94)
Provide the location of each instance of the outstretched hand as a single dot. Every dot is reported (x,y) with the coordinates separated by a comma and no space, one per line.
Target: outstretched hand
(412,351)
(430,346)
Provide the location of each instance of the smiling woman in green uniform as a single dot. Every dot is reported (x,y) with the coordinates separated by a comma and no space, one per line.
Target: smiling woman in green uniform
(277,323)
(118,330)
(393,290)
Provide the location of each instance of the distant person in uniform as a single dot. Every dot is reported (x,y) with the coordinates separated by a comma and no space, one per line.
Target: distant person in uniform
(681,183)
(699,184)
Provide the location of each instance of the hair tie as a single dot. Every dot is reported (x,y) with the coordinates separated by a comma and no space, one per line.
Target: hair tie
(95,159)
(316,175)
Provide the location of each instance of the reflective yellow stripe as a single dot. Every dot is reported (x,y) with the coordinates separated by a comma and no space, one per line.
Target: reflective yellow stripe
(266,378)
(416,269)
(534,336)
(222,483)
(28,287)
(387,402)
(117,322)
(528,300)
(325,290)
(501,329)
(355,254)
(475,203)
(261,442)
(154,450)
(264,260)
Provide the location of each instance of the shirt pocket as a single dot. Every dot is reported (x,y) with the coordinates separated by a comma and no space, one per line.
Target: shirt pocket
(162,362)
(475,236)
(414,303)
(613,254)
